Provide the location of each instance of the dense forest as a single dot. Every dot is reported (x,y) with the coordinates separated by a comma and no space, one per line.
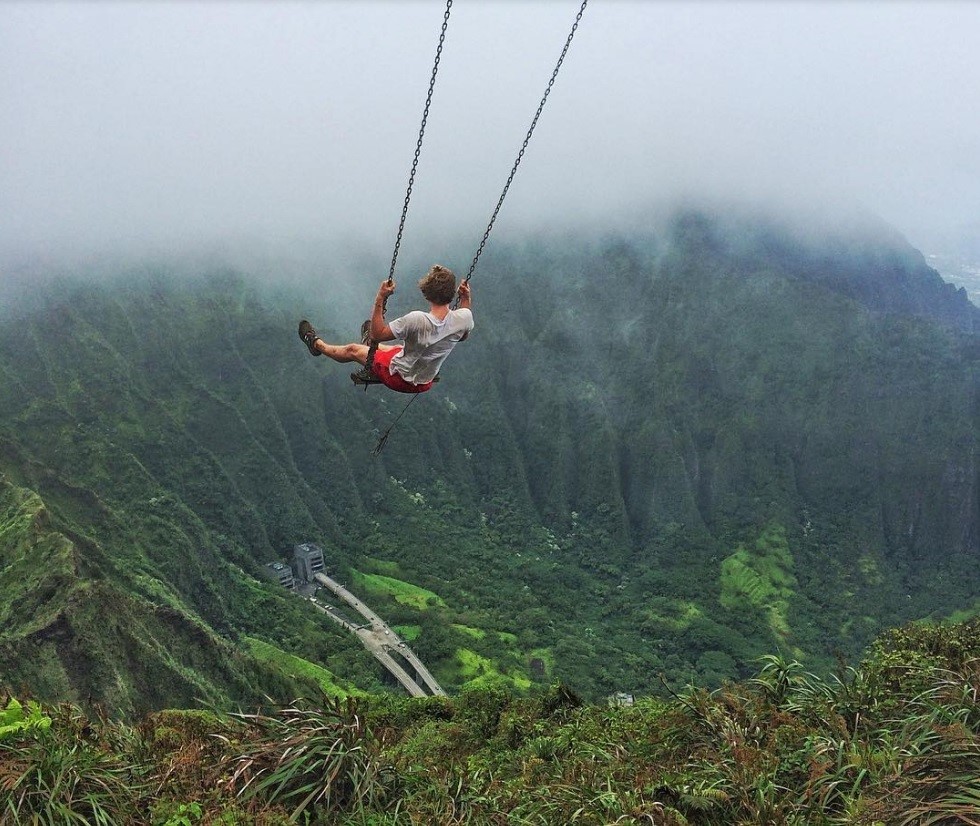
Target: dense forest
(660,457)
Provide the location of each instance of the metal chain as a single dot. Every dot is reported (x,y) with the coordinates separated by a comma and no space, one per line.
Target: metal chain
(418,144)
(373,345)
(418,148)
(527,140)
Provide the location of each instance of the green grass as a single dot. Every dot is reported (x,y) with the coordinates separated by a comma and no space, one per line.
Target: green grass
(760,576)
(294,667)
(475,633)
(409,633)
(402,592)
(477,670)
(472,665)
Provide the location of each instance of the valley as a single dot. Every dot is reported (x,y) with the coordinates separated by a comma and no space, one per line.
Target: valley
(670,453)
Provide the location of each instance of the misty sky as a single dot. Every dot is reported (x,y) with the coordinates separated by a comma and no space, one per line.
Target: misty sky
(170,124)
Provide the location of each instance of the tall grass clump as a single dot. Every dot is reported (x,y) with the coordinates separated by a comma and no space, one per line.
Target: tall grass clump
(313,760)
(72,770)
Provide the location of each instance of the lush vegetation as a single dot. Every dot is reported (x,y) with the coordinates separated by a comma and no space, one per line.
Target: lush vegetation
(669,453)
(893,741)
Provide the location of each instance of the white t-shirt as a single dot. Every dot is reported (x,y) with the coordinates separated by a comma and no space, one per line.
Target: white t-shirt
(427,342)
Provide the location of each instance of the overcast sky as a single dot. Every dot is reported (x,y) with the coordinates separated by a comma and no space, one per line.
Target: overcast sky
(173,123)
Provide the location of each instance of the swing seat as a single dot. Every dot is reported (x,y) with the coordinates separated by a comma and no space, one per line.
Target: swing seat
(365,378)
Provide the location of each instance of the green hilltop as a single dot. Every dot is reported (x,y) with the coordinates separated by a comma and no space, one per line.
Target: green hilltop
(667,453)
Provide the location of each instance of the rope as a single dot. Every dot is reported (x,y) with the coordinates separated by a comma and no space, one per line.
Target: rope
(527,140)
(384,436)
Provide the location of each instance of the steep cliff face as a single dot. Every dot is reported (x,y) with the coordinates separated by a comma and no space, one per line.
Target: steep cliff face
(733,378)
(864,260)
(668,452)
(71,633)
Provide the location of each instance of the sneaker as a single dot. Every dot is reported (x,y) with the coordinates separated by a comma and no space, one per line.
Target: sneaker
(309,337)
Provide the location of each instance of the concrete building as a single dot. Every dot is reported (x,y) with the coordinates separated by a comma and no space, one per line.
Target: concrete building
(279,572)
(307,560)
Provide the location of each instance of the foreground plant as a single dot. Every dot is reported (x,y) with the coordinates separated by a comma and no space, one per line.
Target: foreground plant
(69,771)
(320,759)
(14,718)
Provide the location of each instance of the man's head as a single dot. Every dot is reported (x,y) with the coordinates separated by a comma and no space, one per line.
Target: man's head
(438,285)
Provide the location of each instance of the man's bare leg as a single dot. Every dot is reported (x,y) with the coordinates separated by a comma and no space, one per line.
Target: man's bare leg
(343,353)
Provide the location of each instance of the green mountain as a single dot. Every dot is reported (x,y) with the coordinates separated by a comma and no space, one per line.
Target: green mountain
(663,453)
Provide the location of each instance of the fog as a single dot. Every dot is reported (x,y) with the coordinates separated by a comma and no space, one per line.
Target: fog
(168,126)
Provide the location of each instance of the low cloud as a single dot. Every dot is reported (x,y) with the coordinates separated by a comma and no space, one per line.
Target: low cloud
(130,126)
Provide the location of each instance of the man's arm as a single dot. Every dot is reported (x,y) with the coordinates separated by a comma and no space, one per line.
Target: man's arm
(464,302)
(464,295)
(379,330)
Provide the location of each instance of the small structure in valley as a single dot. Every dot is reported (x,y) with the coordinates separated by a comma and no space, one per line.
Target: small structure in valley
(279,572)
(307,561)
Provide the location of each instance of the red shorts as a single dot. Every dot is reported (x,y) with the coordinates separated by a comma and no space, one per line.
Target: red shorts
(382,369)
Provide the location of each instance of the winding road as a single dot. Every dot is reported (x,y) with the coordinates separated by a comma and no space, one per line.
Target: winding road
(382,642)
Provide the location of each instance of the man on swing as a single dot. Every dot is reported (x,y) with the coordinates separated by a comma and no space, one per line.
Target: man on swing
(429,336)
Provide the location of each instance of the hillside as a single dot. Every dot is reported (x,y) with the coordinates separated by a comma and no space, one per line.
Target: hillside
(895,740)
(664,453)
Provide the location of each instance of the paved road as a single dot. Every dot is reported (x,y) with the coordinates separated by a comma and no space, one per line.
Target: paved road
(382,641)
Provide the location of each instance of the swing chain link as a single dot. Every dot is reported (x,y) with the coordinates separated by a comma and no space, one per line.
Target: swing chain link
(527,140)
(418,145)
